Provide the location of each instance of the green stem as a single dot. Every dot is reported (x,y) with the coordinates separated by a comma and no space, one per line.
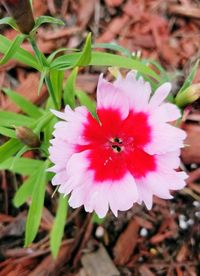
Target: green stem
(42,61)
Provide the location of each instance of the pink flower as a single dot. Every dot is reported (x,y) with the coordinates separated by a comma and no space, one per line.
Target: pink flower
(127,156)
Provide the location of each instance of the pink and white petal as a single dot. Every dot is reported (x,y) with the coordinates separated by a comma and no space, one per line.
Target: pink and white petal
(79,113)
(97,200)
(144,193)
(137,90)
(122,194)
(165,138)
(160,95)
(168,160)
(164,113)
(175,180)
(158,185)
(60,178)
(111,97)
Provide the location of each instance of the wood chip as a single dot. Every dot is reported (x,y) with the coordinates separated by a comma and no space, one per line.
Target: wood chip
(99,263)
(126,243)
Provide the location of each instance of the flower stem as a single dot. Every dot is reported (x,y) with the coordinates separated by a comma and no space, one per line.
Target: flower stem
(42,61)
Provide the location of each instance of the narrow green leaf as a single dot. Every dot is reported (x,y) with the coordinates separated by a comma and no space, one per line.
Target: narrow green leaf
(25,105)
(25,190)
(11,119)
(104,59)
(46,19)
(190,77)
(7,132)
(9,21)
(24,166)
(57,78)
(42,79)
(21,54)
(36,207)
(84,99)
(69,89)
(53,54)
(9,148)
(12,49)
(58,226)
(85,56)
(114,47)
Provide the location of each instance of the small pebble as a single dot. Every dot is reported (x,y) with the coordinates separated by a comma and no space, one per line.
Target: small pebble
(183,224)
(99,232)
(197,214)
(143,232)
(196,204)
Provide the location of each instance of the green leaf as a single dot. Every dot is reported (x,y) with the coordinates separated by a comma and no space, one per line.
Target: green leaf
(114,47)
(58,226)
(9,21)
(24,166)
(42,78)
(46,19)
(11,119)
(84,99)
(25,105)
(96,219)
(36,207)
(57,78)
(190,77)
(85,56)
(53,54)
(21,55)
(12,49)
(7,132)
(104,59)
(25,190)
(9,148)
(69,89)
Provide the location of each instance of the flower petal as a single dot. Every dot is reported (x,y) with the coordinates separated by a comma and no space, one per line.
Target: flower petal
(165,138)
(137,90)
(165,113)
(111,97)
(160,95)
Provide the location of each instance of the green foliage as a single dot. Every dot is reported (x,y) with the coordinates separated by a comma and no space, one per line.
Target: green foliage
(84,99)
(46,19)
(114,47)
(85,56)
(12,49)
(36,207)
(69,89)
(21,55)
(25,105)
(58,226)
(9,148)
(9,21)
(10,119)
(190,77)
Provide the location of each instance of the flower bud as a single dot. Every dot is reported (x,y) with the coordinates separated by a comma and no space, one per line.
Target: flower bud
(189,95)
(21,11)
(27,136)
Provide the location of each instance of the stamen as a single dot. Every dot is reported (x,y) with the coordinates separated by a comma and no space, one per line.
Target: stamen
(116,148)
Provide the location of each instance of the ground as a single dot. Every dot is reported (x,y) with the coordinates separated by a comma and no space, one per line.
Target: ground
(164,241)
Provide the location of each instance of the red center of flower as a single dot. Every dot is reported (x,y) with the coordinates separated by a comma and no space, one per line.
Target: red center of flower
(115,146)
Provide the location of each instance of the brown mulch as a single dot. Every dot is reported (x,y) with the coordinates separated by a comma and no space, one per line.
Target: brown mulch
(164,241)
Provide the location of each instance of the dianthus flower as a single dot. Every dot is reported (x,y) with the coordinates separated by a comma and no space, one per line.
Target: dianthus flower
(128,155)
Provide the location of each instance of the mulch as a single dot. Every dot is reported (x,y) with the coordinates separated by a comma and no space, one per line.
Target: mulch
(163,241)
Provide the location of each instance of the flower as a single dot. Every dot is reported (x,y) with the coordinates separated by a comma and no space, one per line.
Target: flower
(128,155)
